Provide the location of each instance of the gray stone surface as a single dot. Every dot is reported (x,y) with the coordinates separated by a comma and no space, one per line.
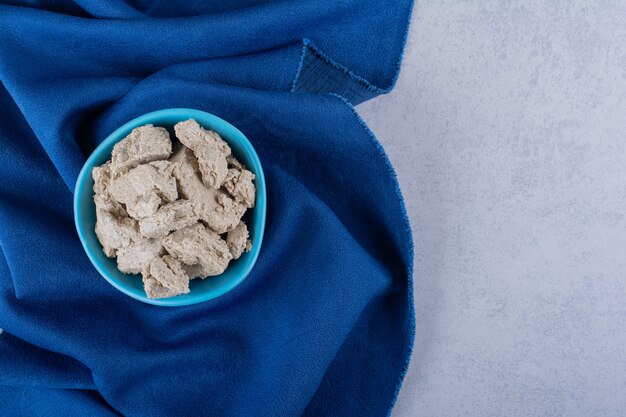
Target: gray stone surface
(508,132)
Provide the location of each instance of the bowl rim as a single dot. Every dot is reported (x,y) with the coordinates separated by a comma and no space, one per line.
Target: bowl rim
(152,118)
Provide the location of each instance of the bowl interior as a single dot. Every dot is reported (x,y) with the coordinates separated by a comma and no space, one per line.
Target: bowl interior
(200,289)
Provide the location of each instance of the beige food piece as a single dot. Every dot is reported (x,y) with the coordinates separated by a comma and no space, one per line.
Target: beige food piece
(184,168)
(237,240)
(226,216)
(164,167)
(193,271)
(191,134)
(214,207)
(183,154)
(189,184)
(172,216)
(239,184)
(169,273)
(201,182)
(104,202)
(135,258)
(144,144)
(198,245)
(154,289)
(142,188)
(145,206)
(142,179)
(212,164)
(102,199)
(234,162)
(115,232)
(101,177)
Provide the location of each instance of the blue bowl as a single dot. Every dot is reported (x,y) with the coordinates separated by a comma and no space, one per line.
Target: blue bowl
(200,289)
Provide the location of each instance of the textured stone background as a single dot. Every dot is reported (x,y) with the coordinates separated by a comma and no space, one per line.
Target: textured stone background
(508,132)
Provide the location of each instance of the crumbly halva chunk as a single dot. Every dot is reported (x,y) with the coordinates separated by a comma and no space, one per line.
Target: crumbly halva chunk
(191,134)
(143,188)
(237,240)
(239,184)
(214,207)
(189,184)
(143,144)
(105,202)
(198,245)
(153,288)
(226,215)
(162,215)
(212,164)
(172,216)
(115,232)
(186,171)
(234,162)
(185,157)
(137,256)
(101,177)
(164,167)
(145,206)
(102,198)
(194,271)
(169,272)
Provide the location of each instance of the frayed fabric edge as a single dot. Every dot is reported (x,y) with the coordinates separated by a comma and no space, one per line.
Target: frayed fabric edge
(308,46)
(410,245)
(369,90)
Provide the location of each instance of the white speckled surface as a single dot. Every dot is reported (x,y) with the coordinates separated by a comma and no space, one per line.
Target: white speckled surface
(508,132)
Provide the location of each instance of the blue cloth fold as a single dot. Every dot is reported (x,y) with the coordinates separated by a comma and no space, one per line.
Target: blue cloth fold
(324,323)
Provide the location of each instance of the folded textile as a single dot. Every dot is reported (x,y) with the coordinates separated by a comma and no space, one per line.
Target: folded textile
(323,325)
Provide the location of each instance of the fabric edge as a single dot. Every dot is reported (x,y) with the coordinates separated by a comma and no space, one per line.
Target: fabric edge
(373,90)
(410,245)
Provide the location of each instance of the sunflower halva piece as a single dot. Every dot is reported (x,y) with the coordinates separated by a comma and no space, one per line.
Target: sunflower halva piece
(169,275)
(170,217)
(115,232)
(134,258)
(144,144)
(143,189)
(164,215)
(198,245)
(214,207)
(192,135)
(237,240)
(238,183)
(103,199)
(212,164)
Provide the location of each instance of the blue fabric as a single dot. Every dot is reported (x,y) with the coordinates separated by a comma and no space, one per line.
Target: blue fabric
(324,323)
